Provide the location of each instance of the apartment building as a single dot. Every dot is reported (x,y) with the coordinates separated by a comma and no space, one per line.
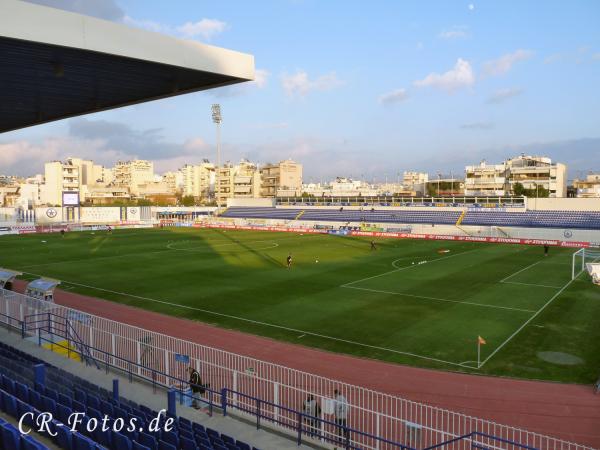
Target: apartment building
(237,181)
(59,177)
(486,180)
(588,188)
(284,176)
(198,180)
(132,174)
(532,172)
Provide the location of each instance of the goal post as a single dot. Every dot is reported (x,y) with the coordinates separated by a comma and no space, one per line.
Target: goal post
(582,257)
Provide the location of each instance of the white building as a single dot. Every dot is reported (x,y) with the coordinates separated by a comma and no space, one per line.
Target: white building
(588,188)
(284,176)
(131,174)
(486,179)
(532,172)
(238,181)
(59,177)
(198,180)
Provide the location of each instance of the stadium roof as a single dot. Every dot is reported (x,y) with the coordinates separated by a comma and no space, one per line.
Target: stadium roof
(58,64)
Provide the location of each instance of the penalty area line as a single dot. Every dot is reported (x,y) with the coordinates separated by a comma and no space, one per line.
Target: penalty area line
(257,322)
(527,322)
(440,299)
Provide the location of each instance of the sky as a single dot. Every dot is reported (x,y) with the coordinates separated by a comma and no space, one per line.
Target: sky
(354,88)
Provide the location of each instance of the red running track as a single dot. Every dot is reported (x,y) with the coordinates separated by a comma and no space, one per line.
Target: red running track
(566,411)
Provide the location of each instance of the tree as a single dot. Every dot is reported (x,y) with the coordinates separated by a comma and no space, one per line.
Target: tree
(519,189)
(188,200)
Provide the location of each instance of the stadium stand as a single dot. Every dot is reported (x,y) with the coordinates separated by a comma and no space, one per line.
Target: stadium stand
(530,219)
(64,393)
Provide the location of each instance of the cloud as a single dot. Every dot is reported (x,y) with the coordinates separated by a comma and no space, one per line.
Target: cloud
(503,64)
(299,84)
(471,7)
(395,96)
(577,56)
(477,126)
(148,25)
(261,78)
(102,9)
(555,57)
(205,28)
(502,95)
(104,142)
(460,76)
(456,32)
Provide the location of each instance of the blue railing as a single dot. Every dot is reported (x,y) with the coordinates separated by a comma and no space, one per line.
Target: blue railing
(225,399)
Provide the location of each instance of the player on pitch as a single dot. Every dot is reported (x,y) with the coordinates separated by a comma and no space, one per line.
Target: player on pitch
(289,261)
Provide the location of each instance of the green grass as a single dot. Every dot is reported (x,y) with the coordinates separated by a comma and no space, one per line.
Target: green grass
(375,304)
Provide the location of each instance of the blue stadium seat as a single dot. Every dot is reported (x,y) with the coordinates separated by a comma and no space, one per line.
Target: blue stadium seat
(11,438)
(64,438)
(187,444)
(80,442)
(162,445)
(120,441)
(171,438)
(138,446)
(148,440)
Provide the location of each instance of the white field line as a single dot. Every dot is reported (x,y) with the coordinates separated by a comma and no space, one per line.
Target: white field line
(519,271)
(406,267)
(440,299)
(257,322)
(527,322)
(531,284)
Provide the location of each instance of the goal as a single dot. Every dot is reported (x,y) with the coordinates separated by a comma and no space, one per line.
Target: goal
(585,259)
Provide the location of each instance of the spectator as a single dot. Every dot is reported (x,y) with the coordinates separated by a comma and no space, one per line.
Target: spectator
(340,411)
(196,386)
(313,410)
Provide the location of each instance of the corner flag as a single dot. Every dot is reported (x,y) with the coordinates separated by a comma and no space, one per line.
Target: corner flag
(481,341)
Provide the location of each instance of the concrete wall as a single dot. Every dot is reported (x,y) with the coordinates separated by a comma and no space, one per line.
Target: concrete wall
(251,202)
(566,204)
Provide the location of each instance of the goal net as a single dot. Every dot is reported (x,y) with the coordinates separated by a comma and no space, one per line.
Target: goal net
(588,260)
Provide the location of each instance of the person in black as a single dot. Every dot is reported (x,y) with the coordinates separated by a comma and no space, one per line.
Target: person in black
(62,232)
(289,261)
(312,409)
(373,247)
(546,248)
(196,386)
(109,229)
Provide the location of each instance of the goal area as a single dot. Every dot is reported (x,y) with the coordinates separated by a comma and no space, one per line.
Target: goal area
(586,259)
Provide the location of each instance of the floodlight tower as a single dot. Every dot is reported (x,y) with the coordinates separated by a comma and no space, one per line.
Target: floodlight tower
(217,119)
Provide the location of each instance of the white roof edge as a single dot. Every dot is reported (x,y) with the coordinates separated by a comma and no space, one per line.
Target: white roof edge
(30,22)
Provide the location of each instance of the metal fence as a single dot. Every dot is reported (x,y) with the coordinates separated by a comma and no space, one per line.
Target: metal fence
(393,418)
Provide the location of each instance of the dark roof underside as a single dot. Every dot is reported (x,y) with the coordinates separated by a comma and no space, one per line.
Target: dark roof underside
(42,82)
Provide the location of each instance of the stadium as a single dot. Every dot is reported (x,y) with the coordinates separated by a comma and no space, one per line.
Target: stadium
(432,322)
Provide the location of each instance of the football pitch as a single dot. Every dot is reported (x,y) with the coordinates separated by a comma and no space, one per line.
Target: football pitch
(422,303)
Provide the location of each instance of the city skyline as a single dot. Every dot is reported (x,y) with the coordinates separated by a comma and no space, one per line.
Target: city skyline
(355,91)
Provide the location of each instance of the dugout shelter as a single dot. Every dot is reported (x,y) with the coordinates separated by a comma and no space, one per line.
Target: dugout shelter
(42,288)
(7,277)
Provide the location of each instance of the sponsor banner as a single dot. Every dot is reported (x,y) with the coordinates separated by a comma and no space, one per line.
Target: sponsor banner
(100,214)
(436,237)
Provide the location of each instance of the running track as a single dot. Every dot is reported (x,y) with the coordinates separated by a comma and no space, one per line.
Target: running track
(570,412)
